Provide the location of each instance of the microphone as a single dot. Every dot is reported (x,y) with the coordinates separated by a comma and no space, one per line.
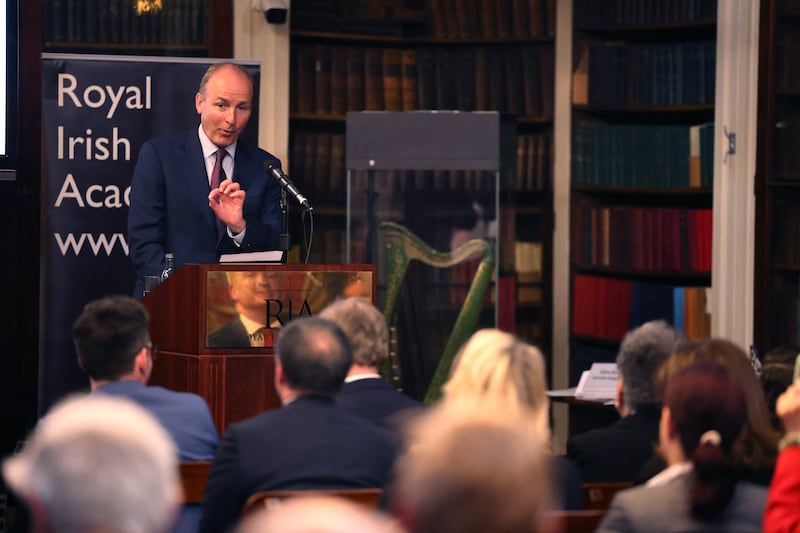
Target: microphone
(274,168)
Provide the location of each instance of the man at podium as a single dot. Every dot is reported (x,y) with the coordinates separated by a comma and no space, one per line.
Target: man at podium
(203,193)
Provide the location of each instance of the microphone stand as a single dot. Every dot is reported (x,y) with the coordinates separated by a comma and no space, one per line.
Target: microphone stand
(285,238)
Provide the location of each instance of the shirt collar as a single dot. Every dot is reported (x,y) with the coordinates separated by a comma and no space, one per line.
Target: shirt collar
(250,325)
(670,473)
(357,377)
(210,148)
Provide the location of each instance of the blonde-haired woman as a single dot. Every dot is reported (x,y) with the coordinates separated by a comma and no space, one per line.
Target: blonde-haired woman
(499,369)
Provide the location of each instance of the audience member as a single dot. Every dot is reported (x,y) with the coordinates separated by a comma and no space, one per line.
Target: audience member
(249,290)
(472,468)
(365,393)
(318,514)
(783,504)
(755,453)
(97,463)
(618,452)
(777,373)
(497,367)
(309,443)
(703,417)
(114,349)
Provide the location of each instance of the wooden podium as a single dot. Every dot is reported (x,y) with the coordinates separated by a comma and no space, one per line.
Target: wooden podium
(237,382)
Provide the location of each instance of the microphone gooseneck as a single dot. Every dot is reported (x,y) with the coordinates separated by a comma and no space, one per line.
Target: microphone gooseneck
(273,167)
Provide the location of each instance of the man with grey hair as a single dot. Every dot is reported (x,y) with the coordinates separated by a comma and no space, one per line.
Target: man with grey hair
(365,393)
(98,463)
(618,452)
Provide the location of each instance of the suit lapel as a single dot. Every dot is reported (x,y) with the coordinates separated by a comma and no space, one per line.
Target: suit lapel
(244,165)
(197,179)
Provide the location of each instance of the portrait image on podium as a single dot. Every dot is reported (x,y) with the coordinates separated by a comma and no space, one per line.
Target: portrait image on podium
(247,308)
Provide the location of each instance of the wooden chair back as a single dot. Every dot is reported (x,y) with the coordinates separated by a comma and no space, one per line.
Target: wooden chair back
(194,477)
(272,499)
(574,521)
(599,495)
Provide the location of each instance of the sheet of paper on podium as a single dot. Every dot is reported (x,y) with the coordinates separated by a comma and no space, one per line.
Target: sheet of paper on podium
(270,256)
(599,383)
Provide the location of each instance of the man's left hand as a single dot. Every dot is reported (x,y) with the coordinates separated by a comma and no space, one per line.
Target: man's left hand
(227,201)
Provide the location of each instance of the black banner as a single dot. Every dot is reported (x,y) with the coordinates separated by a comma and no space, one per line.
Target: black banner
(97,112)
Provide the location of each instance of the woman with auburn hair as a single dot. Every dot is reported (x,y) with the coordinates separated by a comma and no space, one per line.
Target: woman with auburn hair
(704,414)
(499,369)
(756,452)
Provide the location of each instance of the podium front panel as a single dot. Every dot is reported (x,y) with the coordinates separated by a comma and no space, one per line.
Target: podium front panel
(247,308)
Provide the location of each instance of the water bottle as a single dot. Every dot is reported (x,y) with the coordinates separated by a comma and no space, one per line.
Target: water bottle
(169,266)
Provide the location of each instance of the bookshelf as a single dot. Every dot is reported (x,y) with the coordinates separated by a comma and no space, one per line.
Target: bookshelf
(466,55)
(777,264)
(190,28)
(641,171)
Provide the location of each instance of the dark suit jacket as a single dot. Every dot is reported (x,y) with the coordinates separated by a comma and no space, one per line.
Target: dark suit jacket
(376,401)
(617,452)
(231,335)
(169,209)
(308,444)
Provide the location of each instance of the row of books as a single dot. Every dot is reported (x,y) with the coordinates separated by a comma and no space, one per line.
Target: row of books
(179,22)
(317,160)
(519,308)
(643,155)
(660,74)
(492,19)
(788,5)
(524,290)
(787,48)
(608,308)
(787,139)
(376,17)
(787,232)
(593,14)
(528,261)
(336,79)
(643,239)
(520,250)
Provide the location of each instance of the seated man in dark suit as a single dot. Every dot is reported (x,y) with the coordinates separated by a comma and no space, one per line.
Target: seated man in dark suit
(618,452)
(114,349)
(365,393)
(310,443)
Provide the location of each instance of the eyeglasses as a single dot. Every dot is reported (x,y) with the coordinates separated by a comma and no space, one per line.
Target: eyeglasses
(152,350)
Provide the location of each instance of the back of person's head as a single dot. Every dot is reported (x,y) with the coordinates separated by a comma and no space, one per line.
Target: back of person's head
(471,469)
(497,366)
(642,352)
(98,463)
(108,334)
(364,326)
(708,410)
(777,373)
(315,355)
(758,449)
(318,514)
